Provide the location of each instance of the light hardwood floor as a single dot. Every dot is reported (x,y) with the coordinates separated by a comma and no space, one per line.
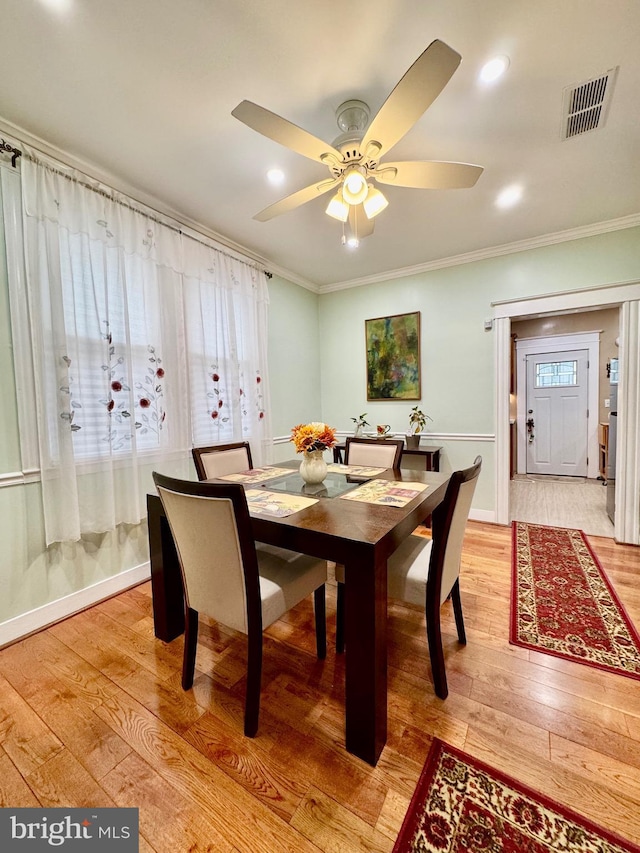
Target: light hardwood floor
(92,714)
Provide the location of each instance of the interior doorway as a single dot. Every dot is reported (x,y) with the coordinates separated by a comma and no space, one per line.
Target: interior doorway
(626,297)
(558,385)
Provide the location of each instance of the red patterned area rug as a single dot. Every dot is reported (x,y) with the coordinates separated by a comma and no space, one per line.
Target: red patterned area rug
(563,604)
(461,805)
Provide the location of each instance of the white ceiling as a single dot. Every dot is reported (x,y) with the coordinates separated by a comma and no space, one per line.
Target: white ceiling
(143,90)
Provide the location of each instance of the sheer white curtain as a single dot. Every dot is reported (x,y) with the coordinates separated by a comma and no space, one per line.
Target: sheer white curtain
(144,342)
(226,307)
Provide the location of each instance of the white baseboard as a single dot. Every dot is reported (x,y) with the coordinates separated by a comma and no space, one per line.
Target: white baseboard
(483,515)
(35,620)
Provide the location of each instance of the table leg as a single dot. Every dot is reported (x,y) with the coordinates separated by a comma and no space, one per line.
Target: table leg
(166,582)
(366,656)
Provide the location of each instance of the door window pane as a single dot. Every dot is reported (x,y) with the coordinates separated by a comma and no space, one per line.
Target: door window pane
(554,373)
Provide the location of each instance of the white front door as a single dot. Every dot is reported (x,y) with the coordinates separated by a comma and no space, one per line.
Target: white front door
(557,413)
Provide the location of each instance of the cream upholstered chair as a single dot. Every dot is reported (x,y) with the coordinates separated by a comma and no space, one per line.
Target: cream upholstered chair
(221,459)
(376,454)
(426,571)
(225,577)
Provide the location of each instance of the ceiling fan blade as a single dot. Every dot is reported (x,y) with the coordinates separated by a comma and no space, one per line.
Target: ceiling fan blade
(283,131)
(290,202)
(361,226)
(415,92)
(428,174)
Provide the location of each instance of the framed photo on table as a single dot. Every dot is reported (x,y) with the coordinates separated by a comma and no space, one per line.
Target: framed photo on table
(393,357)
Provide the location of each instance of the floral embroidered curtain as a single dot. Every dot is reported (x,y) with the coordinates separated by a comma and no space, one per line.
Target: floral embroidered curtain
(145,341)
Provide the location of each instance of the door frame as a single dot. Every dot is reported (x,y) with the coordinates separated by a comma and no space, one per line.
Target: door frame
(589,341)
(624,295)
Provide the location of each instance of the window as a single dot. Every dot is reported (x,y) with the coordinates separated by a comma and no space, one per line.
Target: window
(552,374)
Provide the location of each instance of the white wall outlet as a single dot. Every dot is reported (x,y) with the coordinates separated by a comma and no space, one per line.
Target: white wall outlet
(607,403)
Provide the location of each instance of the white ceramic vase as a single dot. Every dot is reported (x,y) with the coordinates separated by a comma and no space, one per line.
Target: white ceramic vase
(313,468)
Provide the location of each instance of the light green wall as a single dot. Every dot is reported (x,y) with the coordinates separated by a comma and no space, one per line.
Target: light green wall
(457,354)
(294,360)
(32,576)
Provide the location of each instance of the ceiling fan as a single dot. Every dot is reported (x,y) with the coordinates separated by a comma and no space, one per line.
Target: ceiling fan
(353,159)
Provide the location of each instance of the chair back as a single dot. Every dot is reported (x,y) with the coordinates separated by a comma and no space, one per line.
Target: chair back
(449,522)
(211,529)
(375,454)
(221,459)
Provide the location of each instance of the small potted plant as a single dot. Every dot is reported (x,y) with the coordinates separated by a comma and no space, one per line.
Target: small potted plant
(360,423)
(417,422)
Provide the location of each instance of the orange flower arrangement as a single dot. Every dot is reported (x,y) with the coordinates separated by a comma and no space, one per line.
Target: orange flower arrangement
(313,436)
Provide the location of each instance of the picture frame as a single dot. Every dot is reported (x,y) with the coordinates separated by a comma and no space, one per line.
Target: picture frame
(393,357)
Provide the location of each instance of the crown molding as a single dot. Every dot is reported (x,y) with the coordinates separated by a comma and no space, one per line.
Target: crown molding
(293,277)
(596,228)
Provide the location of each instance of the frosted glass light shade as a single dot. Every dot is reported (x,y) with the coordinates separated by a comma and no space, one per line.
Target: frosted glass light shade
(355,187)
(337,208)
(374,203)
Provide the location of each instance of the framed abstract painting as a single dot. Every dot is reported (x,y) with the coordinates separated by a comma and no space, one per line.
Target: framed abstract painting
(393,357)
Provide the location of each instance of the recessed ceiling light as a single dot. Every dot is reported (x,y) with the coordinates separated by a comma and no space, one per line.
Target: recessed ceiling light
(275,176)
(58,5)
(509,196)
(493,69)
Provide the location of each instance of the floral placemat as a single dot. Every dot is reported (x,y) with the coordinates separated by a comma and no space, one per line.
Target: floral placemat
(355,470)
(255,475)
(386,492)
(279,505)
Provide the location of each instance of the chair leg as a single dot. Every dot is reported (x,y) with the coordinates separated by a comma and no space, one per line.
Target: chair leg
(436,654)
(320,610)
(190,645)
(457,611)
(340,619)
(254,679)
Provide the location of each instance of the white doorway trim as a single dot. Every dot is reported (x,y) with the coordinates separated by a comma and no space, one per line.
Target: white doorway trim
(589,341)
(627,526)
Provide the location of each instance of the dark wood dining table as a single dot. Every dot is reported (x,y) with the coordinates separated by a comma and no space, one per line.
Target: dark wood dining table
(359,535)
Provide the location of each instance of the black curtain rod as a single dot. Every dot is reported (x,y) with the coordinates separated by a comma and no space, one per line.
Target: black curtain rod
(15,152)
(4,146)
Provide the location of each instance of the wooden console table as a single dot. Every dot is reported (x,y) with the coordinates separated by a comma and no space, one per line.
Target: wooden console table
(427,456)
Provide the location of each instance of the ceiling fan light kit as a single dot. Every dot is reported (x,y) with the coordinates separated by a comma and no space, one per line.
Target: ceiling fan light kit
(338,208)
(353,158)
(354,185)
(374,203)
